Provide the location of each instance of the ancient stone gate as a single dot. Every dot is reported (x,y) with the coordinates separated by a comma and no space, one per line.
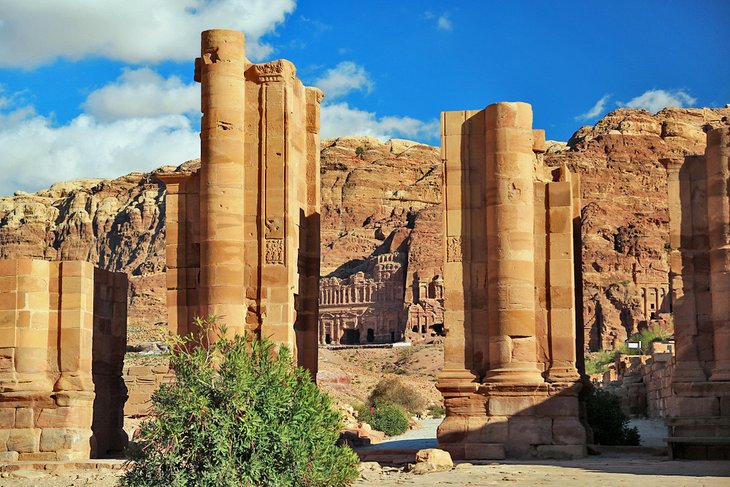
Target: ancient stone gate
(243,231)
(510,381)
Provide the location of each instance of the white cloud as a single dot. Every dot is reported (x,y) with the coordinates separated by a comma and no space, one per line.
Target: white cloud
(444,23)
(339,119)
(35,32)
(342,79)
(143,93)
(655,100)
(595,110)
(37,154)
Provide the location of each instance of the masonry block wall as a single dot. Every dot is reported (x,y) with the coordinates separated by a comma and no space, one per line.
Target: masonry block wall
(243,231)
(510,381)
(699,213)
(63,329)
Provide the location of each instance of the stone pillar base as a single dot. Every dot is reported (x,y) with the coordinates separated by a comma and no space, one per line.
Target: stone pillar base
(700,428)
(499,421)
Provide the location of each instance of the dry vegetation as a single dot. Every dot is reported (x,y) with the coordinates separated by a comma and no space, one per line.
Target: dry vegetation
(416,365)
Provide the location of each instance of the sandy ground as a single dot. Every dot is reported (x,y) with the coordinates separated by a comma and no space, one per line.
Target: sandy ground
(644,471)
(593,471)
(611,469)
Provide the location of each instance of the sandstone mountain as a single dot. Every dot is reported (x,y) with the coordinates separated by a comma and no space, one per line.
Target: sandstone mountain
(380,197)
(118,225)
(625,220)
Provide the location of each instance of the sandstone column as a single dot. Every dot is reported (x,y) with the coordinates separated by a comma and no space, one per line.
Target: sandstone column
(688,367)
(718,219)
(221,177)
(510,244)
(561,308)
(457,373)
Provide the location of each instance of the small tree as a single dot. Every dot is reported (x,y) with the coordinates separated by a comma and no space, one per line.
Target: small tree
(239,413)
(388,418)
(609,423)
(360,152)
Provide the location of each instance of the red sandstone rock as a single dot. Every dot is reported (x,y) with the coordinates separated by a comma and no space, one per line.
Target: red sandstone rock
(118,224)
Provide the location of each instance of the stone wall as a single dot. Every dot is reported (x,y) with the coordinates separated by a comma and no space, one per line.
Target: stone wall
(141,382)
(644,384)
(62,337)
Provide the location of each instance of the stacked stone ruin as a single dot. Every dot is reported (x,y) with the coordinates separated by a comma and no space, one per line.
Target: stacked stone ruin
(243,246)
(510,381)
(243,231)
(63,335)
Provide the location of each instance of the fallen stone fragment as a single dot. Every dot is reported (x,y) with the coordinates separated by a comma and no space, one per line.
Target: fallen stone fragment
(432,460)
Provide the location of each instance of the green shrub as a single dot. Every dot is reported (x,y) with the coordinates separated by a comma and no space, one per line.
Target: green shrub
(598,362)
(608,421)
(436,411)
(360,152)
(394,391)
(239,413)
(388,418)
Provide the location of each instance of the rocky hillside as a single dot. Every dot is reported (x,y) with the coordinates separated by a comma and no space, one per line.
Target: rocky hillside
(378,194)
(372,191)
(116,224)
(625,213)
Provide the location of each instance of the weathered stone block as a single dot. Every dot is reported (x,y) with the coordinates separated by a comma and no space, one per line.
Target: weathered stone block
(555,406)
(24,440)
(9,456)
(511,405)
(24,418)
(487,429)
(568,431)
(530,430)
(561,452)
(7,418)
(485,451)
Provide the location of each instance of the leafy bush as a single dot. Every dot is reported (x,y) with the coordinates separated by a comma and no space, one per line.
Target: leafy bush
(388,418)
(360,152)
(436,412)
(598,362)
(394,391)
(239,413)
(608,421)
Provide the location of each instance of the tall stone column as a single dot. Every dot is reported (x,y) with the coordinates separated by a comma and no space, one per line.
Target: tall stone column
(718,218)
(510,244)
(561,280)
(221,73)
(457,376)
(681,275)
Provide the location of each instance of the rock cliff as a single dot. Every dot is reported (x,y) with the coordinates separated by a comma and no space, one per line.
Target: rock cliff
(118,225)
(379,197)
(371,191)
(625,213)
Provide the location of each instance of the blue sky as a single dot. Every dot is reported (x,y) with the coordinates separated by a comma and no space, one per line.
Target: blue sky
(92,88)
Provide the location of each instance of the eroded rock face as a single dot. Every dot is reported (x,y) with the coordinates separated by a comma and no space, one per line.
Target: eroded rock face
(625,212)
(388,195)
(117,225)
(371,189)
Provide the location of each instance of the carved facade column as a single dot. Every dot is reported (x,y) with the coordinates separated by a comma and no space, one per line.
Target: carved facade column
(681,274)
(561,279)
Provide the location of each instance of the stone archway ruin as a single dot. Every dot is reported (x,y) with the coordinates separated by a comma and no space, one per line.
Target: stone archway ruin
(243,242)
(243,245)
